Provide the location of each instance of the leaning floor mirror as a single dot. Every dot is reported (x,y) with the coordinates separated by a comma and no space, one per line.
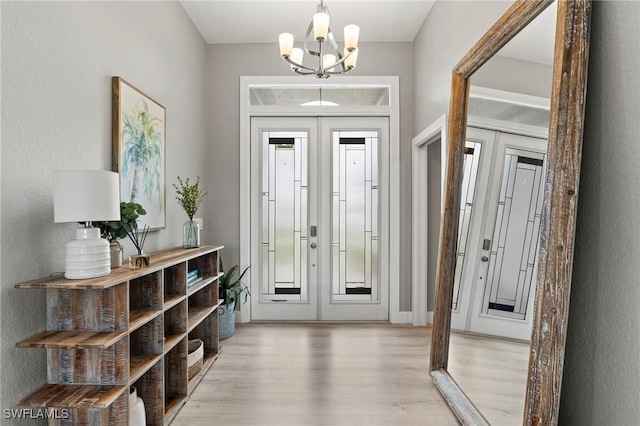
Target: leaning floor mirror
(554,171)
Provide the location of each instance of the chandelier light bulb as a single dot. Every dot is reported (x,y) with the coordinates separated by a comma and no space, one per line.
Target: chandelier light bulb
(286,44)
(320,26)
(351,34)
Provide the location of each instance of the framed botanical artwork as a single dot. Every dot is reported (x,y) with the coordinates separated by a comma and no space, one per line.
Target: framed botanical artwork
(139,132)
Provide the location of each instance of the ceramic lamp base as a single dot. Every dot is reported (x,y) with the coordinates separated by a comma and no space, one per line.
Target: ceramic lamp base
(88,256)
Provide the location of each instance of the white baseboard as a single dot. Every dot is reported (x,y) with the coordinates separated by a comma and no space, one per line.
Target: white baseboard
(404,317)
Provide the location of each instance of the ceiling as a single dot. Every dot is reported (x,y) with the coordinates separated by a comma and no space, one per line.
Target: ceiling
(261,21)
(255,21)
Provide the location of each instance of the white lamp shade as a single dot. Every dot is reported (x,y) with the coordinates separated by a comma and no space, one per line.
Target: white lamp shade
(351,34)
(85,195)
(352,60)
(296,56)
(320,25)
(286,44)
(328,61)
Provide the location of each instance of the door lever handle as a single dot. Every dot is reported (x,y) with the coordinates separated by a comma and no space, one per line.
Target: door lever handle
(484,258)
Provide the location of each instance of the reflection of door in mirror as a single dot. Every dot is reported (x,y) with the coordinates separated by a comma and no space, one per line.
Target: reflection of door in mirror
(499,227)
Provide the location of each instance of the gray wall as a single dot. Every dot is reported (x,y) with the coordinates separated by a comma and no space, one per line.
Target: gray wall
(57,63)
(226,63)
(601,383)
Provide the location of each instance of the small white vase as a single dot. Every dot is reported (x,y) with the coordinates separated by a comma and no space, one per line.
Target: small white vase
(137,416)
(116,255)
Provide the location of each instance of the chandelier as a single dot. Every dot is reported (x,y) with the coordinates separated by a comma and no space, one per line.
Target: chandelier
(330,59)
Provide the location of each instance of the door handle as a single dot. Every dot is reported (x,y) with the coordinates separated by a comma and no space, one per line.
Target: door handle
(484,258)
(313,245)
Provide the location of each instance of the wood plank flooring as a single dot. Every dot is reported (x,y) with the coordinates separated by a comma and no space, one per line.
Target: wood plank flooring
(321,374)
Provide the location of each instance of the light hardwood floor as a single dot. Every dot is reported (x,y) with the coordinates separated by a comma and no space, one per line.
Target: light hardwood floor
(320,374)
(493,374)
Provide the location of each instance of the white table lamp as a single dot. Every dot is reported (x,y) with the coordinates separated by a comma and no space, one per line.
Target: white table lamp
(86,196)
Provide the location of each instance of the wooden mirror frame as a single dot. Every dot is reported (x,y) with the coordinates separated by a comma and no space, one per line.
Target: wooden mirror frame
(557,229)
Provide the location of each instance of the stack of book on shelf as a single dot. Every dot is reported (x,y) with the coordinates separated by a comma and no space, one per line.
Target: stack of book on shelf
(193,278)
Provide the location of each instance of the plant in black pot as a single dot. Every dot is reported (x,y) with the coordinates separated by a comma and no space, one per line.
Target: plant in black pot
(230,291)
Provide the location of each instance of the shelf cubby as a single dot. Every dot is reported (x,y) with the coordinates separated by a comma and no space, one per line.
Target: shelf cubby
(175,325)
(205,296)
(145,296)
(206,265)
(175,373)
(149,388)
(148,339)
(207,331)
(141,363)
(175,283)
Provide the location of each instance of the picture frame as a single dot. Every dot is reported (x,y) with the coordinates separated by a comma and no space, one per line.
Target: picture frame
(139,147)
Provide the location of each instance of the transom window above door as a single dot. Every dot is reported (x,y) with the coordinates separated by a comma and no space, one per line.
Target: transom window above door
(319,96)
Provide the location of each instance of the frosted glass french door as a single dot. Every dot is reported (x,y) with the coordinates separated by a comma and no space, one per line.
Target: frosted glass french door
(499,230)
(319,218)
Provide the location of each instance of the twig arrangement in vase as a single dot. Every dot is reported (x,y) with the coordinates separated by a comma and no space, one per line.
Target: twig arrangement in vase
(137,236)
(190,196)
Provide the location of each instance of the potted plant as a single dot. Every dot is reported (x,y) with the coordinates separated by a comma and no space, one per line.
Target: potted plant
(113,231)
(190,196)
(230,290)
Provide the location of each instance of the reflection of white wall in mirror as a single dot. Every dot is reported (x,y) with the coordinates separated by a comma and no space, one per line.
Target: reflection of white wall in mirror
(535,42)
(525,63)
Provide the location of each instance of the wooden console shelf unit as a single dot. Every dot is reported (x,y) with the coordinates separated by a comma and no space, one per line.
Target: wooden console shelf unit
(130,328)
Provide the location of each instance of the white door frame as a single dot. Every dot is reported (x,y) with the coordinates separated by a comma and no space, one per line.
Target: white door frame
(437,131)
(392,111)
